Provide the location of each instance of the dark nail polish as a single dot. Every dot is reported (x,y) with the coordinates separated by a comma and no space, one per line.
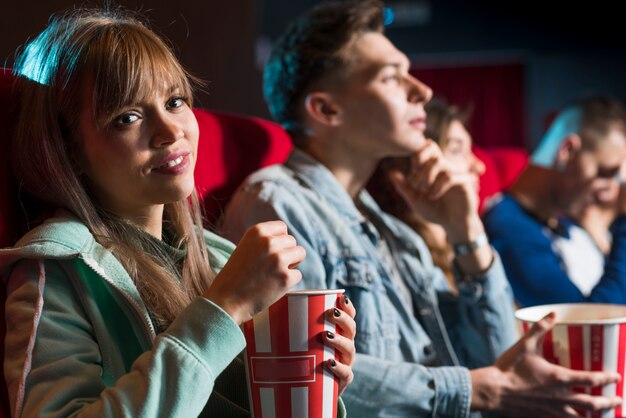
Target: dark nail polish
(336,312)
(333,363)
(330,335)
(346,300)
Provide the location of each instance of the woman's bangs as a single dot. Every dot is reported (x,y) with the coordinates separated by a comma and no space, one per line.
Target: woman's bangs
(137,66)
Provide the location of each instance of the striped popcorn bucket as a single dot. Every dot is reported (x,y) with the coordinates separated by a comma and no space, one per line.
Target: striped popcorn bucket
(285,355)
(587,336)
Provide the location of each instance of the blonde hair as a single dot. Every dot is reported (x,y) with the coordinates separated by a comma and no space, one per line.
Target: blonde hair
(124,59)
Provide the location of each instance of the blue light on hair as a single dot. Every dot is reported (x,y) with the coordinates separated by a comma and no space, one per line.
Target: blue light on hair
(36,63)
(388,16)
(566,123)
(42,56)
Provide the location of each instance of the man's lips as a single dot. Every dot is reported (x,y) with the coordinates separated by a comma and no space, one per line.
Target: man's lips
(418,123)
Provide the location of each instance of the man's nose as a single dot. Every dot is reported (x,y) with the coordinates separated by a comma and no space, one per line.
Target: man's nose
(606,190)
(418,91)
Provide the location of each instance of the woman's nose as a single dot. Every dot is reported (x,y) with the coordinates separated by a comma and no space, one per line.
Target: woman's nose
(477,166)
(166,131)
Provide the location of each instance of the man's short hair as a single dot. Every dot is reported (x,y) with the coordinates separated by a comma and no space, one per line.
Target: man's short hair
(312,49)
(600,116)
(592,118)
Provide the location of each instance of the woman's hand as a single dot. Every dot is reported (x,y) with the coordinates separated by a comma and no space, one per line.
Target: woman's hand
(259,271)
(344,343)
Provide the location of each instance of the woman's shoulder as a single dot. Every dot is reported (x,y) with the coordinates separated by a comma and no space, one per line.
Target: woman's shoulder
(63,230)
(62,236)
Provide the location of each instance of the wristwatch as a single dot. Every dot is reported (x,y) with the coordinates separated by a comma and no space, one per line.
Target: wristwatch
(466,248)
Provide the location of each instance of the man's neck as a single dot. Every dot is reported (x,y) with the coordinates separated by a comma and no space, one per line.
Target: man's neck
(352,170)
(534,192)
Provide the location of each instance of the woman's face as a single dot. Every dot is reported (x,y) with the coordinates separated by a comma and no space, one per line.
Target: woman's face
(457,150)
(144,155)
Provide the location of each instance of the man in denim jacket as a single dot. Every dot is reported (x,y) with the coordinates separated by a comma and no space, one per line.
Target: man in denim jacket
(344,93)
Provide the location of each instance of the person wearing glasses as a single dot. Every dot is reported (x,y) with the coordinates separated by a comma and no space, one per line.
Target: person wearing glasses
(541,226)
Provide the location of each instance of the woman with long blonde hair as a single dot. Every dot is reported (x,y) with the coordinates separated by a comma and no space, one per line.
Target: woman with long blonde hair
(121,304)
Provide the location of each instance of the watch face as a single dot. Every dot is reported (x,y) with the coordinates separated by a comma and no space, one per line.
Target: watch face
(468,247)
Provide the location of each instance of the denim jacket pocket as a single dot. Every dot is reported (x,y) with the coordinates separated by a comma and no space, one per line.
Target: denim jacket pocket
(377,322)
(360,272)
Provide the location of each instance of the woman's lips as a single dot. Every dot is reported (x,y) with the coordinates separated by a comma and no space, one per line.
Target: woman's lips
(174,164)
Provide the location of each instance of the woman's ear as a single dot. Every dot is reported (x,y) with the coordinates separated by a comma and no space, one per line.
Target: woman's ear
(322,108)
(568,149)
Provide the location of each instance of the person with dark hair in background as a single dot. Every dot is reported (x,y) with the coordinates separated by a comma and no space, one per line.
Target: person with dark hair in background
(345,94)
(573,173)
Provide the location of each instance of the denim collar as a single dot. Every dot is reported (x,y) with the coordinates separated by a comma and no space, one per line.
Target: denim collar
(317,177)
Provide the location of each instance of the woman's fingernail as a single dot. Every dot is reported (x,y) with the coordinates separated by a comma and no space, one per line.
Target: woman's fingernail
(346,300)
(330,335)
(332,362)
(336,312)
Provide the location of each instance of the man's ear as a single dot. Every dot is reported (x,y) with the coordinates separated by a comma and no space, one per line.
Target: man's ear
(322,108)
(569,147)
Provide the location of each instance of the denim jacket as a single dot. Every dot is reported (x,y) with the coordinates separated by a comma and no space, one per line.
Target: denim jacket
(408,365)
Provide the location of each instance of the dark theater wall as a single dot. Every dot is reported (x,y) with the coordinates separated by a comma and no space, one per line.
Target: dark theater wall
(214,40)
(564,50)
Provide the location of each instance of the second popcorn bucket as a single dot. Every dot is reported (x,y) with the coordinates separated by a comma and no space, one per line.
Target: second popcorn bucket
(587,336)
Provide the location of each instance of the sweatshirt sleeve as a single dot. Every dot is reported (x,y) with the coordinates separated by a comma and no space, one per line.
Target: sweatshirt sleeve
(54,362)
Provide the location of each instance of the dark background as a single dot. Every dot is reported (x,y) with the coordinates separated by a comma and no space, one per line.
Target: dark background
(516,63)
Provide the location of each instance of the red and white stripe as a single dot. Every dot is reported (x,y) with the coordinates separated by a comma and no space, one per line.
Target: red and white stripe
(594,348)
(287,377)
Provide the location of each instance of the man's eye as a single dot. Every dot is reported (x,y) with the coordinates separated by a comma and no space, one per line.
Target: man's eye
(392,77)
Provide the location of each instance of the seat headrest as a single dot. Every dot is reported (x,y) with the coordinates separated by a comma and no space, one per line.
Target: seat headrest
(230,148)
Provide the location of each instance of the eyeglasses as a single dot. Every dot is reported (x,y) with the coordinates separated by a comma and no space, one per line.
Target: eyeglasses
(610,173)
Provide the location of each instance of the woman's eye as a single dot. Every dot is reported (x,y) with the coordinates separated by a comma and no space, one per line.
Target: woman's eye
(176,102)
(454,151)
(126,119)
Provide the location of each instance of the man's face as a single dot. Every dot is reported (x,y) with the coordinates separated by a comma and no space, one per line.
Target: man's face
(381,104)
(593,175)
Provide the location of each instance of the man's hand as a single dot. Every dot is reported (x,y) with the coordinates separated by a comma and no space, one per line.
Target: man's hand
(523,384)
(435,192)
